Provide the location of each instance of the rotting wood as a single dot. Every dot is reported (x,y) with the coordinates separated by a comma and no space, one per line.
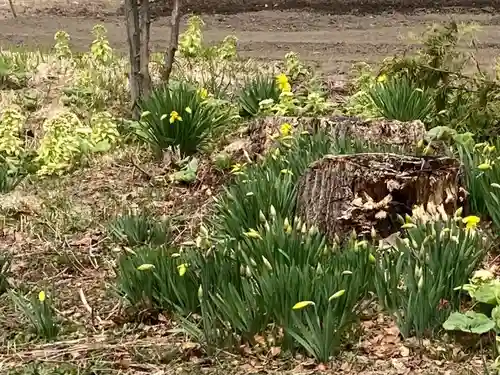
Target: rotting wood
(343,193)
(404,135)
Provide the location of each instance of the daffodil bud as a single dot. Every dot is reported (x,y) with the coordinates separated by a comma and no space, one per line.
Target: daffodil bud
(304,228)
(262,217)
(420,282)
(267,264)
(418,271)
(313,230)
(298,223)
(248,271)
(272,212)
(200,292)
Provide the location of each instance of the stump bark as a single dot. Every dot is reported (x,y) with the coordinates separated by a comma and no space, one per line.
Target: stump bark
(404,135)
(343,193)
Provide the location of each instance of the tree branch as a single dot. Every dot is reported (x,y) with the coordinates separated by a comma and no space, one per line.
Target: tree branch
(174,40)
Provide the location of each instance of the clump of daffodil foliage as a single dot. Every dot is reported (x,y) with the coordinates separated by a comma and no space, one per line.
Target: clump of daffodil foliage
(435,254)
(482,175)
(40,313)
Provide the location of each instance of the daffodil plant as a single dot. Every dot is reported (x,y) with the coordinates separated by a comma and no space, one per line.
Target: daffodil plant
(38,309)
(416,277)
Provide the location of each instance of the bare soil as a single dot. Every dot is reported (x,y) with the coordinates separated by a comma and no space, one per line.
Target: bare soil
(334,41)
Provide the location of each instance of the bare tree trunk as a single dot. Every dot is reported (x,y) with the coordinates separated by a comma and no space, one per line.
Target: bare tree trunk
(362,191)
(138,24)
(12,9)
(174,40)
(145,23)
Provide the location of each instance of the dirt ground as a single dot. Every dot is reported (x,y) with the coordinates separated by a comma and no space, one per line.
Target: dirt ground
(334,41)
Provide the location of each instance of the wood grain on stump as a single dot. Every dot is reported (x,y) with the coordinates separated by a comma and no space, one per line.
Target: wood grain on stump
(383,132)
(343,193)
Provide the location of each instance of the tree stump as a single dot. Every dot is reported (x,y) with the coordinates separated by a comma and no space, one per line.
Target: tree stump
(403,135)
(359,192)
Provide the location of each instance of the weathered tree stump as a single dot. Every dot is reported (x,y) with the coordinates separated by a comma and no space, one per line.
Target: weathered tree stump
(343,193)
(403,135)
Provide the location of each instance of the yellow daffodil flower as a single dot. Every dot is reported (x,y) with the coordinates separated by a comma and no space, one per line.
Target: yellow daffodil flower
(286,129)
(145,267)
(471,222)
(339,294)
(382,78)
(174,116)
(182,268)
(300,305)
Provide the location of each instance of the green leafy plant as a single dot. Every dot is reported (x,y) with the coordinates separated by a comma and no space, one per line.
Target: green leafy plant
(38,309)
(400,99)
(9,178)
(269,186)
(483,173)
(416,279)
(61,145)
(61,46)
(294,68)
(179,116)
(159,279)
(100,49)
(255,91)
(140,229)
(16,68)
(484,289)
(5,264)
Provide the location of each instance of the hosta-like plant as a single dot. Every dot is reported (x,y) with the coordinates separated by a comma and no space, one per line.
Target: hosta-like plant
(256,90)
(140,229)
(400,99)
(179,116)
(416,279)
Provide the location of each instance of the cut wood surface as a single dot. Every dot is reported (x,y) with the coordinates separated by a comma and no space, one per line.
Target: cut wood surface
(343,193)
(384,132)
